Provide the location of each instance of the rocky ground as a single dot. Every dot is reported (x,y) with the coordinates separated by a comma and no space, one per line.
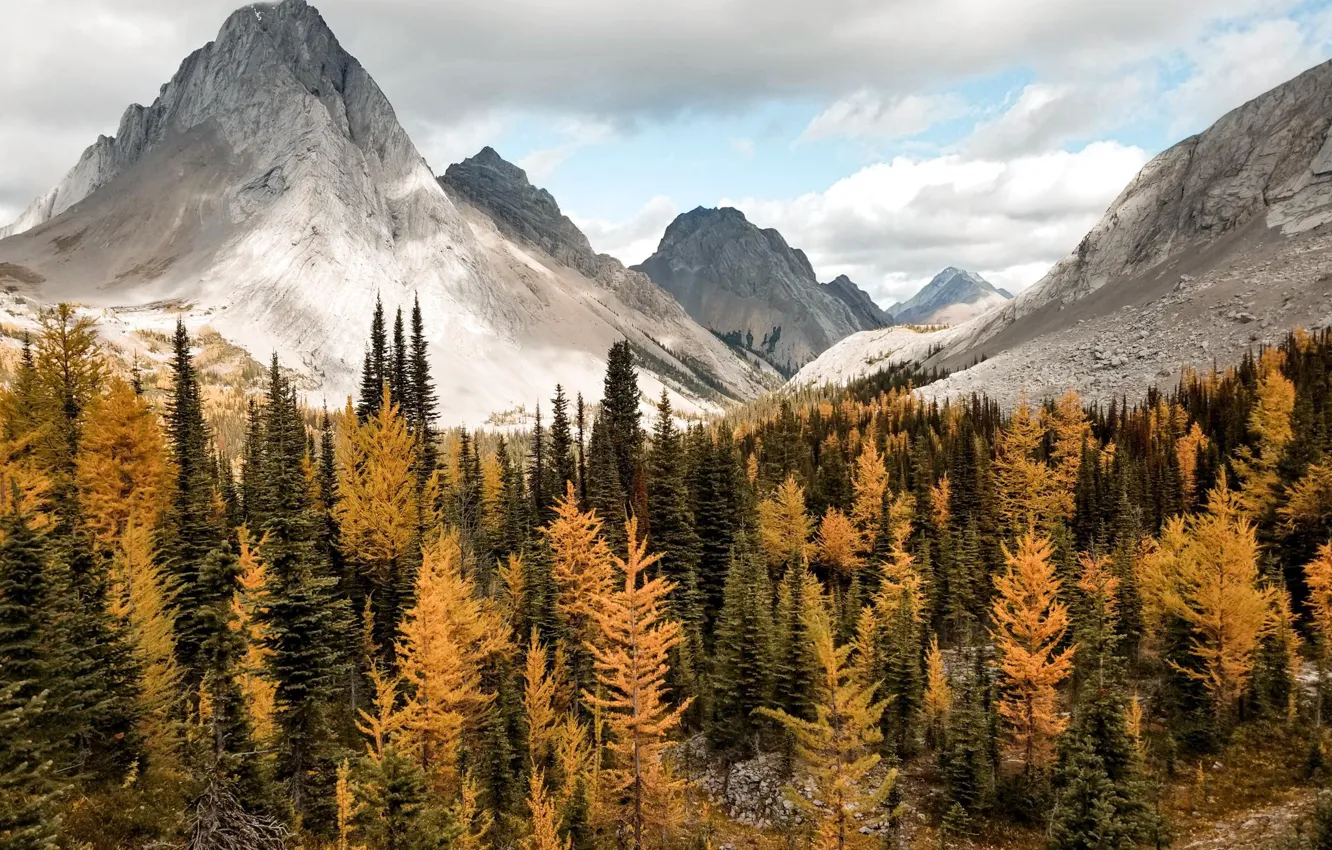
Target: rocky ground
(1211,318)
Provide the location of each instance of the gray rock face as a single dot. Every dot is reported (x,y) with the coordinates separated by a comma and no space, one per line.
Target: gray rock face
(271,191)
(748,285)
(953,294)
(868,314)
(1260,172)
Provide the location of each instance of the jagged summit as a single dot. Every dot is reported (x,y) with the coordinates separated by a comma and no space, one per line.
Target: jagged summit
(271,190)
(953,296)
(502,189)
(868,313)
(748,285)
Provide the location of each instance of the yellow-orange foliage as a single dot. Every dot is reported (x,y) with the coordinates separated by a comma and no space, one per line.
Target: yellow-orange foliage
(1028,489)
(443,641)
(545,817)
(1310,499)
(141,596)
(581,564)
(869,483)
(1071,430)
(1029,625)
(837,749)
(1186,455)
(24,488)
(122,474)
(1204,570)
(938,700)
(941,496)
(381,726)
(1318,576)
(259,690)
(632,662)
(840,543)
(377,509)
(1270,423)
(784,527)
(540,689)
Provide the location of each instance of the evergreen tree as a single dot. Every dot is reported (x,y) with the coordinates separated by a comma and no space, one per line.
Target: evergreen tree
(192,529)
(397,368)
(422,404)
(561,461)
(304,617)
(580,419)
(745,663)
(621,417)
(28,793)
(670,521)
(375,370)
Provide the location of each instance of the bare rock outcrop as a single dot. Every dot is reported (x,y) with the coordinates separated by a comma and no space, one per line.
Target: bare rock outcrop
(748,285)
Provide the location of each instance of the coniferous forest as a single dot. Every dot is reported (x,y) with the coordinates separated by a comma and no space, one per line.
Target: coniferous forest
(922,624)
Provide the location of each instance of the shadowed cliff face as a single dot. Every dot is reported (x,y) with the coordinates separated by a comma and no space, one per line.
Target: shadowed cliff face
(271,189)
(748,283)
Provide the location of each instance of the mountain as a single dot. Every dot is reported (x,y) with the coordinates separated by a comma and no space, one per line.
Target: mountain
(867,313)
(750,287)
(952,297)
(270,193)
(1220,244)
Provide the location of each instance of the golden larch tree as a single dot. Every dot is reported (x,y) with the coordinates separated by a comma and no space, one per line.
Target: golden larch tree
(1318,577)
(1203,569)
(581,565)
(443,642)
(540,690)
(141,597)
(632,661)
(1028,497)
(1187,449)
(257,687)
(544,830)
(839,544)
(838,748)
(1029,626)
(122,472)
(869,485)
(1269,422)
(1071,432)
(377,489)
(784,526)
(938,700)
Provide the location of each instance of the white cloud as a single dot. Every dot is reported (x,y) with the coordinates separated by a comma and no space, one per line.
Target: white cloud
(867,115)
(744,147)
(443,145)
(634,240)
(1046,116)
(893,225)
(578,133)
(1235,66)
(79,63)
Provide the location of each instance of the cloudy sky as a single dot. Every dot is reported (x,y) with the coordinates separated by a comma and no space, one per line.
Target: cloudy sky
(888,138)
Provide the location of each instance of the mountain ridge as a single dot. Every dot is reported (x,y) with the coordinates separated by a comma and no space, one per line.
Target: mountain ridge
(272,193)
(952,296)
(748,285)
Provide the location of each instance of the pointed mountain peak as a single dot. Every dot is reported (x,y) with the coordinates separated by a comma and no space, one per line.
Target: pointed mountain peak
(952,296)
(502,191)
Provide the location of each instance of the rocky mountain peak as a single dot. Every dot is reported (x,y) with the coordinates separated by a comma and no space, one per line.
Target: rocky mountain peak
(868,313)
(526,212)
(952,296)
(748,285)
